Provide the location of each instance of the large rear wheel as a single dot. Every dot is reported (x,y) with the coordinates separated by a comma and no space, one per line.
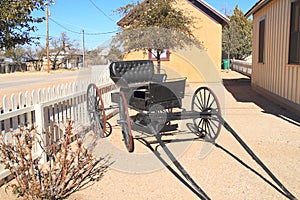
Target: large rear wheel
(206,103)
(125,123)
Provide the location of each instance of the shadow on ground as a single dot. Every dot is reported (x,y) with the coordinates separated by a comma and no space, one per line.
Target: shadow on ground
(242,92)
(183,176)
(279,187)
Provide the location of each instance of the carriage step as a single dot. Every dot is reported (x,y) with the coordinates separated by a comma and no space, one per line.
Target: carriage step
(171,127)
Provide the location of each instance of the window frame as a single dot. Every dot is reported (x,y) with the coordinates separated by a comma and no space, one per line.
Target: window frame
(294,60)
(261,40)
(163,57)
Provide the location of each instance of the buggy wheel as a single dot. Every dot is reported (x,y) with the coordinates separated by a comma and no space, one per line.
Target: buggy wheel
(96,112)
(125,123)
(205,102)
(108,129)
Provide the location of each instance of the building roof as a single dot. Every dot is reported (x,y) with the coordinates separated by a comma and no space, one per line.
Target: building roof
(210,11)
(203,6)
(260,4)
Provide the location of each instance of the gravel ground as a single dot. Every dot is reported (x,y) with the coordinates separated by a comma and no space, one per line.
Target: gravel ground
(272,132)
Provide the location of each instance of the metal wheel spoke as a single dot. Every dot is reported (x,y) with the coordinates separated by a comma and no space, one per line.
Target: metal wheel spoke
(200,108)
(208,98)
(212,129)
(200,122)
(204,97)
(210,105)
(200,103)
(207,127)
(215,119)
(201,100)
(203,127)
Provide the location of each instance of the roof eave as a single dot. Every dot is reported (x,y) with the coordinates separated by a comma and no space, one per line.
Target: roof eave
(214,11)
(260,4)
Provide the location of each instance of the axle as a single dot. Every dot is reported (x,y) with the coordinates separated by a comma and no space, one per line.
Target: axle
(173,116)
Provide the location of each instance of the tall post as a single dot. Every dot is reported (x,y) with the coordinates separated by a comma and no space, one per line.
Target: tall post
(47,37)
(83,49)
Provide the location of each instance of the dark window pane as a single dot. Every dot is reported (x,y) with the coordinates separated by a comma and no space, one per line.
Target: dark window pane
(261,45)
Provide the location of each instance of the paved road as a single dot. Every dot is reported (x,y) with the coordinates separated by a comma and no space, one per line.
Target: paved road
(21,82)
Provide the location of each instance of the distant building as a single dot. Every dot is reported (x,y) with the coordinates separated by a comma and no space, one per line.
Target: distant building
(276,50)
(208,29)
(65,60)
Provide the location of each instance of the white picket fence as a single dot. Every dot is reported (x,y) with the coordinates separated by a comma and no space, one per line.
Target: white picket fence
(242,66)
(45,107)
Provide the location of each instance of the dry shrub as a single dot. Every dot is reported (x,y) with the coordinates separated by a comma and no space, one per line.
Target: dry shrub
(69,165)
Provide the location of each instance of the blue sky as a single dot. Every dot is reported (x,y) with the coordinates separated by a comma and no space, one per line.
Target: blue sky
(96,17)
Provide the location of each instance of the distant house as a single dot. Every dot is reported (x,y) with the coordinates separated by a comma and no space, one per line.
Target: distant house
(276,50)
(208,29)
(64,60)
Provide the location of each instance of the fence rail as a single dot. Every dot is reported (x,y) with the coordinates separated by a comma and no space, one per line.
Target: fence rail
(243,67)
(45,107)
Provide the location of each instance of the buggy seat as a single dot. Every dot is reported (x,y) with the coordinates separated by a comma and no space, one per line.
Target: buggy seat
(142,87)
(124,73)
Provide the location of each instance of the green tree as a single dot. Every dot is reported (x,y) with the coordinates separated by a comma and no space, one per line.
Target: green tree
(156,25)
(237,35)
(17,54)
(16,21)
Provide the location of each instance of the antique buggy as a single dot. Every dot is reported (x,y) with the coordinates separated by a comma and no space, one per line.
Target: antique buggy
(157,103)
(156,100)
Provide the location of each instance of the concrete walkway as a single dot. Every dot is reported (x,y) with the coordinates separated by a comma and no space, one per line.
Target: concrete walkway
(272,132)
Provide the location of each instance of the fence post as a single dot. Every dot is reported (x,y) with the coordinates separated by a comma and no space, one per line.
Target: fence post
(40,121)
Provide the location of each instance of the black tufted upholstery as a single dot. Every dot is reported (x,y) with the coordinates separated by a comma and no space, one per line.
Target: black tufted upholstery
(134,71)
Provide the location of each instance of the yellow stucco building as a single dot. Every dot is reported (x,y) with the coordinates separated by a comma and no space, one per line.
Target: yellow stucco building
(198,65)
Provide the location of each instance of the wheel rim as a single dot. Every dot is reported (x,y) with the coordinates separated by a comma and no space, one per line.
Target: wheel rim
(96,111)
(205,101)
(125,123)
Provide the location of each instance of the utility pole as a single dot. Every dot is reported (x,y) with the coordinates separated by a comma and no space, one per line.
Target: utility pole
(83,49)
(47,37)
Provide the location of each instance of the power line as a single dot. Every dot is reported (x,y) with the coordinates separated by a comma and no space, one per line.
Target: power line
(64,27)
(103,33)
(43,36)
(64,22)
(108,17)
(76,32)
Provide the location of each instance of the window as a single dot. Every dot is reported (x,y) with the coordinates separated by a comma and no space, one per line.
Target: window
(294,50)
(164,56)
(261,41)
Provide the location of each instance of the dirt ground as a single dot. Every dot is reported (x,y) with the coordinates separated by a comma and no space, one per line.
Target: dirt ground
(222,171)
